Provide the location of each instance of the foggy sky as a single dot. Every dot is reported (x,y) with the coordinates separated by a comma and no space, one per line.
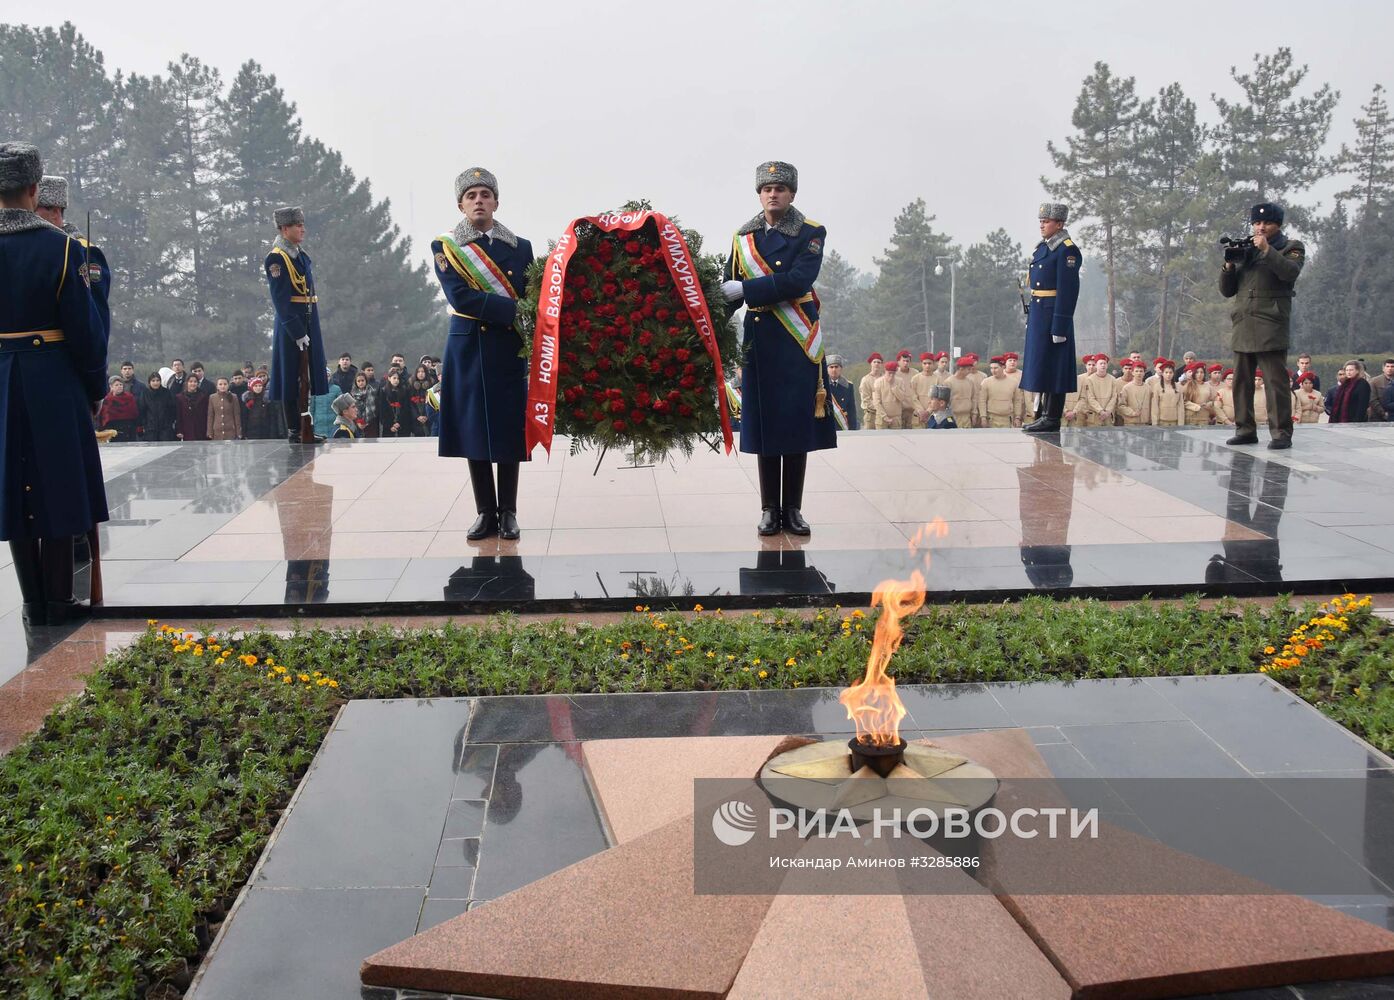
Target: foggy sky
(578,106)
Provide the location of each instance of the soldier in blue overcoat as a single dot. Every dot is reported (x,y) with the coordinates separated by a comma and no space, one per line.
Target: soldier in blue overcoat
(53,347)
(1048,359)
(53,208)
(292,281)
(775,258)
(482,267)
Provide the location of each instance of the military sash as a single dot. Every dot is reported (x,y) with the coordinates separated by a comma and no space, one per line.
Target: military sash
(477,268)
(733,398)
(839,414)
(789,314)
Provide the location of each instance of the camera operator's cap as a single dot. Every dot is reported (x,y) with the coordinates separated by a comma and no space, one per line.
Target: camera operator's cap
(20,165)
(835,359)
(874,356)
(1054,210)
(941,392)
(475,177)
(776,172)
(53,192)
(1266,211)
(341,403)
(289,216)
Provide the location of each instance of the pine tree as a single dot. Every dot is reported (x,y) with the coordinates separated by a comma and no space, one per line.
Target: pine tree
(195,94)
(1095,166)
(989,292)
(841,306)
(908,297)
(1272,139)
(1370,166)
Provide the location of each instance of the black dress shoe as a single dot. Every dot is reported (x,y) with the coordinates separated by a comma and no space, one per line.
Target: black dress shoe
(484,525)
(1243,439)
(35,614)
(769,521)
(1044,425)
(508,525)
(794,522)
(1279,443)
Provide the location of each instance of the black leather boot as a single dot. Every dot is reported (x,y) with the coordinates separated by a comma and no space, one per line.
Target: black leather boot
(795,466)
(56,556)
(1051,407)
(25,554)
(768,466)
(485,502)
(508,501)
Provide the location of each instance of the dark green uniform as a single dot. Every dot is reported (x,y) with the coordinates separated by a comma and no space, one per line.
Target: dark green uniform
(1262,288)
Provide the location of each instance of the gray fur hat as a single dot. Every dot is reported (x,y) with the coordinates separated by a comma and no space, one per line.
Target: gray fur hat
(776,172)
(20,165)
(53,192)
(836,359)
(940,392)
(289,216)
(475,177)
(1054,210)
(341,403)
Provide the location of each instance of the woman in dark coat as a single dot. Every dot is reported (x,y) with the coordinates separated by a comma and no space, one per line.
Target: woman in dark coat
(157,411)
(1350,403)
(191,413)
(420,409)
(394,407)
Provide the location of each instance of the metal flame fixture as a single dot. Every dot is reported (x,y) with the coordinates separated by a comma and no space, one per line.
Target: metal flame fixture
(882,758)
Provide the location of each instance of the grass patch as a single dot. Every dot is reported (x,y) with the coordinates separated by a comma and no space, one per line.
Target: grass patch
(131,820)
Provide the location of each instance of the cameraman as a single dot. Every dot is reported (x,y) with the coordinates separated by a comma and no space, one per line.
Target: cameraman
(1262,283)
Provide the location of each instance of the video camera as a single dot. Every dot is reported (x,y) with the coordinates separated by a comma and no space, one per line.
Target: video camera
(1236,250)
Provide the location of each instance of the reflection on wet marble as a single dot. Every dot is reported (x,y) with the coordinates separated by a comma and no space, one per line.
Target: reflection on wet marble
(207,527)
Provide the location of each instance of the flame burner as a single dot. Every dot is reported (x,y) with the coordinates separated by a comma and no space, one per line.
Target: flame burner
(881,759)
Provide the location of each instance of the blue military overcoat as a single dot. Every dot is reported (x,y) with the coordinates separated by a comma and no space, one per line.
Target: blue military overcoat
(1045,365)
(292,282)
(778,381)
(98,279)
(53,347)
(483,390)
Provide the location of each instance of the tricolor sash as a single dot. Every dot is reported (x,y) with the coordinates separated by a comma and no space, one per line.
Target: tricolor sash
(477,268)
(733,398)
(839,414)
(789,314)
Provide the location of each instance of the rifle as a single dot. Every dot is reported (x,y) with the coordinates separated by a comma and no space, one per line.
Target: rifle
(94,539)
(1021,294)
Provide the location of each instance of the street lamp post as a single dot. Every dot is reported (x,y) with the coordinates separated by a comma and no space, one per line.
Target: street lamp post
(953,276)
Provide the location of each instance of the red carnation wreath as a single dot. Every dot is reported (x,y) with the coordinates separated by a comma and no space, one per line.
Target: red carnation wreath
(630,329)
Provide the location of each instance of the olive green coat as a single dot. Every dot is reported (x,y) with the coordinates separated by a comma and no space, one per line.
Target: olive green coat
(1262,289)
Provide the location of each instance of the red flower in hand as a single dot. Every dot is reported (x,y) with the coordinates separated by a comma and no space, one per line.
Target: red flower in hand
(620,426)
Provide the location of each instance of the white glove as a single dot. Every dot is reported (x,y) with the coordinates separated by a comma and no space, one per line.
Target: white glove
(303,343)
(1057,340)
(732,290)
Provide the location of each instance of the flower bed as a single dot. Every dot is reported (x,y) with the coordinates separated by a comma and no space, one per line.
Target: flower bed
(131,820)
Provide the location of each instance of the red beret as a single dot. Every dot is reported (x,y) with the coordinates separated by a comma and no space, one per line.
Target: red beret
(1258,373)
(1126,364)
(966,361)
(902,354)
(1216,368)
(890,366)
(997,359)
(1013,355)
(926,357)
(1088,359)
(1101,357)
(1227,373)
(1159,361)
(874,356)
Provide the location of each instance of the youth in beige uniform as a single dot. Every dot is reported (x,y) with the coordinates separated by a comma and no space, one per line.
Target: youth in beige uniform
(962,394)
(1308,404)
(1224,400)
(999,399)
(1135,399)
(866,392)
(1166,400)
(1098,395)
(889,396)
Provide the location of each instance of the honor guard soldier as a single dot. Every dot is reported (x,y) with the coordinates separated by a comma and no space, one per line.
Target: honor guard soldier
(53,347)
(293,296)
(53,208)
(866,389)
(775,258)
(482,268)
(1261,281)
(842,391)
(1048,362)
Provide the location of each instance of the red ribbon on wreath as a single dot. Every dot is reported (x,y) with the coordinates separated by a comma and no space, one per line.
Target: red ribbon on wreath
(546,342)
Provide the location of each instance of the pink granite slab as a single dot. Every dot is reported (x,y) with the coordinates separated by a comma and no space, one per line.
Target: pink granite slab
(632,803)
(621,925)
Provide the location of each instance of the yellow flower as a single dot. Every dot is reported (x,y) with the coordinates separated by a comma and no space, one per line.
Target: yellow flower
(638,607)
(19,868)
(152,622)
(1268,650)
(730,657)
(698,608)
(333,684)
(286,679)
(248,659)
(198,650)
(270,660)
(711,655)
(858,614)
(624,656)
(756,661)
(304,677)
(790,662)
(762,674)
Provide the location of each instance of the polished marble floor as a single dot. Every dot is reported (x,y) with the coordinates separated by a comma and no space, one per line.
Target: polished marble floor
(415,811)
(267,528)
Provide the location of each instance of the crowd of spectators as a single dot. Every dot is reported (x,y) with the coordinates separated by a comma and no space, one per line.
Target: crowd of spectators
(1129,392)
(179,404)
